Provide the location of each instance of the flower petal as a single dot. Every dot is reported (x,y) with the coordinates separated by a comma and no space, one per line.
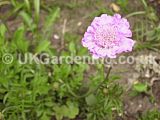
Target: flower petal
(126,45)
(107,36)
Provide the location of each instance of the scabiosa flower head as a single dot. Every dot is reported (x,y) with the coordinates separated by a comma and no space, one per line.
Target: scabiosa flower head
(108,36)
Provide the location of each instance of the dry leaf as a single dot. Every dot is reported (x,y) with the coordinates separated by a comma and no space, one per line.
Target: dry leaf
(115,7)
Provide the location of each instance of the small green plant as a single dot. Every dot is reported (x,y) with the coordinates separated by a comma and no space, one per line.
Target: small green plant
(150,115)
(146,32)
(140,87)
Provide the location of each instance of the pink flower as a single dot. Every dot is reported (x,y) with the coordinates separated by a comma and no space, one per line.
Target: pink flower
(108,36)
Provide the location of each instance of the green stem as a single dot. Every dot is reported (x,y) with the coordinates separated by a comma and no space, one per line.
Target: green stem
(135,13)
(105,78)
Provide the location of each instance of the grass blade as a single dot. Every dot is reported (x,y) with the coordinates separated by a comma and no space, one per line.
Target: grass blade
(37,10)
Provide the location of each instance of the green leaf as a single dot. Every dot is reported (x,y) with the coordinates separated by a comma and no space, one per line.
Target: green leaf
(51,18)
(140,87)
(45,117)
(43,46)
(26,17)
(144,3)
(43,89)
(65,70)
(3,30)
(19,40)
(71,37)
(72,48)
(2,90)
(49,104)
(91,100)
(59,112)
(72,111)
(123,3)
(28,20)
(27,4)
(37,9)
(152,16)
(114,77)
(14,2)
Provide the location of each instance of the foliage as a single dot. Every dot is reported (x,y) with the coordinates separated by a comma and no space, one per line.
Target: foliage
(140,87)
(44,91)
(146,31)
(151,115)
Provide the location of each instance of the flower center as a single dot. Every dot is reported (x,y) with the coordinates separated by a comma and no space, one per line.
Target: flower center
(105,36)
